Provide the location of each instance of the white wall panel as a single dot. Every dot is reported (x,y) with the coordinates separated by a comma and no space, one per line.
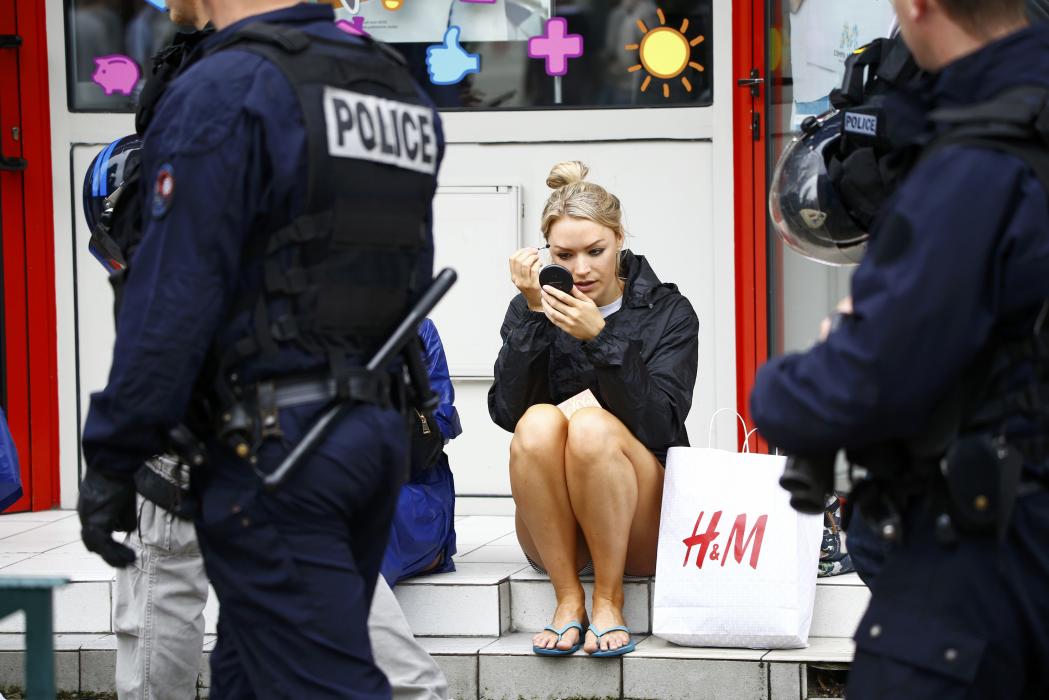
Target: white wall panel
(668,196)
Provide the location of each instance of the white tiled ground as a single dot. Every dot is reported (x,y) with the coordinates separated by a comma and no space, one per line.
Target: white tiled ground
(476,621)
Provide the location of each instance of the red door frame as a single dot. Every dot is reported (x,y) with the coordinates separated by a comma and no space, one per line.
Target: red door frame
(30,322)
(748,53)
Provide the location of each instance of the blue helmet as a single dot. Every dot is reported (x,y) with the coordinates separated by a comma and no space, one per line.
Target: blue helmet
(111,174)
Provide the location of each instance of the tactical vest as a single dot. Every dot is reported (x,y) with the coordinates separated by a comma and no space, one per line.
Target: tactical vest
(340,277)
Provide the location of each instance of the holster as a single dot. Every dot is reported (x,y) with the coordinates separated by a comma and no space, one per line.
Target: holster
(254,416)
(982,477)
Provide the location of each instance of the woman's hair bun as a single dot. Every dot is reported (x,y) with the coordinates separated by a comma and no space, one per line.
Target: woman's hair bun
(566,173)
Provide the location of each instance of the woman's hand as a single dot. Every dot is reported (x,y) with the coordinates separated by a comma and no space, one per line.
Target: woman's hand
(524,272)
(576,314)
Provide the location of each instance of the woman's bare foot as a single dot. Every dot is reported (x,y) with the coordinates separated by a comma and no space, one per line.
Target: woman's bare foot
(606,614)
(569,609)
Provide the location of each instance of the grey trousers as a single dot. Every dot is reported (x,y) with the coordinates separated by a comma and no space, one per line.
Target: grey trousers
(412,673)
(159,610)
(159,620)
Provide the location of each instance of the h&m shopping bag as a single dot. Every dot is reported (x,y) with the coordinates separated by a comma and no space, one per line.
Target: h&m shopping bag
(10,479)
(736,565)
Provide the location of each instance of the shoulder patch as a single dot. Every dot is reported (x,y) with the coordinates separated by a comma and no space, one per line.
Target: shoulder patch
(163,191)
(366,127)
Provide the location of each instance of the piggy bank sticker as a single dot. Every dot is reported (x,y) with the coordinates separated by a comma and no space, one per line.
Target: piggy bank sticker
(116,73)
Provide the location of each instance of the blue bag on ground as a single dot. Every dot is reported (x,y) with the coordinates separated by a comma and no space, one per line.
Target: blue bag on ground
(10,479)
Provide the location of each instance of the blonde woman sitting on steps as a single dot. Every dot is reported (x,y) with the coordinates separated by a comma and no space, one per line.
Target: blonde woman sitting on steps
(588,488)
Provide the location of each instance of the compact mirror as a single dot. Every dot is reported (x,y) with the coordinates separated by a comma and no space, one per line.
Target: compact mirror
(557,277)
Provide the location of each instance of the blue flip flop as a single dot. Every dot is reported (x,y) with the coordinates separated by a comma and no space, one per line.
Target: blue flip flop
(560,633)
(625,649)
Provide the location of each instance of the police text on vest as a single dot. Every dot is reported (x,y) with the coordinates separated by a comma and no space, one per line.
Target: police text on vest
(372,128)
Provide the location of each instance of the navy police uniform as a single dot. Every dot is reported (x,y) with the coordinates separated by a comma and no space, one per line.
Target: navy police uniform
(957,258)
(289,172)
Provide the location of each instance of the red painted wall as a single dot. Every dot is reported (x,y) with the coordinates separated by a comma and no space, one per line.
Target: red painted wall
(28,254)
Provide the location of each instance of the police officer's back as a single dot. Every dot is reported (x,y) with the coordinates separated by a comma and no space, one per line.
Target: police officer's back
(944,356)
(289,173)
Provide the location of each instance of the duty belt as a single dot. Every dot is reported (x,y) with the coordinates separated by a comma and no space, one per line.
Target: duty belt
(256,417)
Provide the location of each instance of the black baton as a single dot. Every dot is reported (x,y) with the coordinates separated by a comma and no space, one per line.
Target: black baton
(405,332)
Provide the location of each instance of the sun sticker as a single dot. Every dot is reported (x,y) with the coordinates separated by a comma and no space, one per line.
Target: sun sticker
(665,53)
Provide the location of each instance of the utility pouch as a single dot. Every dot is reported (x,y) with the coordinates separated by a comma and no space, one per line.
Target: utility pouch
(982,474)
(427,442)
(164,481)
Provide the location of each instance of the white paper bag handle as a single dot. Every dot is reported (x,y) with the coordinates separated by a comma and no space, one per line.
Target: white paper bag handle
(746,433)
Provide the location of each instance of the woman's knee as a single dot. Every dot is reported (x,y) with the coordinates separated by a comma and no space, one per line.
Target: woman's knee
(593,433)
(540,433)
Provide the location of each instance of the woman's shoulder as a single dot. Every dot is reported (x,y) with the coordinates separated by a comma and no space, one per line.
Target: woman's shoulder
(517,306)
(645,285)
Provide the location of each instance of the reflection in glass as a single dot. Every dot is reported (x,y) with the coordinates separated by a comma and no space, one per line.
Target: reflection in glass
(109,47)
(610,73)
(636,53)
(807,43)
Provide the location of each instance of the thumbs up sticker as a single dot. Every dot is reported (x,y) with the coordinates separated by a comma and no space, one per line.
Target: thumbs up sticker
(448,62)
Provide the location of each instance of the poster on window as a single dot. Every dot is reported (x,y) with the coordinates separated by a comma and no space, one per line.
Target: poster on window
(426,21)
(822,35)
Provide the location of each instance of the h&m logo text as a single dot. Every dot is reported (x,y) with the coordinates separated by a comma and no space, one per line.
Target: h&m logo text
(736,541)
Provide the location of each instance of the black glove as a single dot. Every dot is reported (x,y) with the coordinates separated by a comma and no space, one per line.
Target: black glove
(107,504)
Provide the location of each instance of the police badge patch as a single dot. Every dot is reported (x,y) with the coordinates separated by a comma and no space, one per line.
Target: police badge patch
(163,190)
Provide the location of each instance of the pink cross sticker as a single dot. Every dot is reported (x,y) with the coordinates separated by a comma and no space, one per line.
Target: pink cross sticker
(556,46)
(355,27)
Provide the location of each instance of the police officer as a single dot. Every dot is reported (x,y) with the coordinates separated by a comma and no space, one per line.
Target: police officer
(159,599)
(289,172)
(935,382)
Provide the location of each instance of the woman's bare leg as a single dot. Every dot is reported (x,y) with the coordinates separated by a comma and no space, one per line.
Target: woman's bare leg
(616,488)
(546,526)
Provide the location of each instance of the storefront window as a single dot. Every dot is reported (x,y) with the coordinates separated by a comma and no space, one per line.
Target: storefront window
(108,48)
(483,54)
(808,42)
(548,54)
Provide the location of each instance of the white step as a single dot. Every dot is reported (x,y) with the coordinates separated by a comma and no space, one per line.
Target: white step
(533,601)
(507,669)
(493,590)
(473,601)
(496,668)
(84,663)
(840,603)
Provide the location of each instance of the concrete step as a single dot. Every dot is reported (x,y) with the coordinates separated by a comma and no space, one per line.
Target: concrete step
(505,668)
(492,592)
(472,601)
(84,663)
(532,601)
(454,604)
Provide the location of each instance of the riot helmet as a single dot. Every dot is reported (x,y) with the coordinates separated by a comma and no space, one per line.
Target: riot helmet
(805,207)
(109,177)
(833,178)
